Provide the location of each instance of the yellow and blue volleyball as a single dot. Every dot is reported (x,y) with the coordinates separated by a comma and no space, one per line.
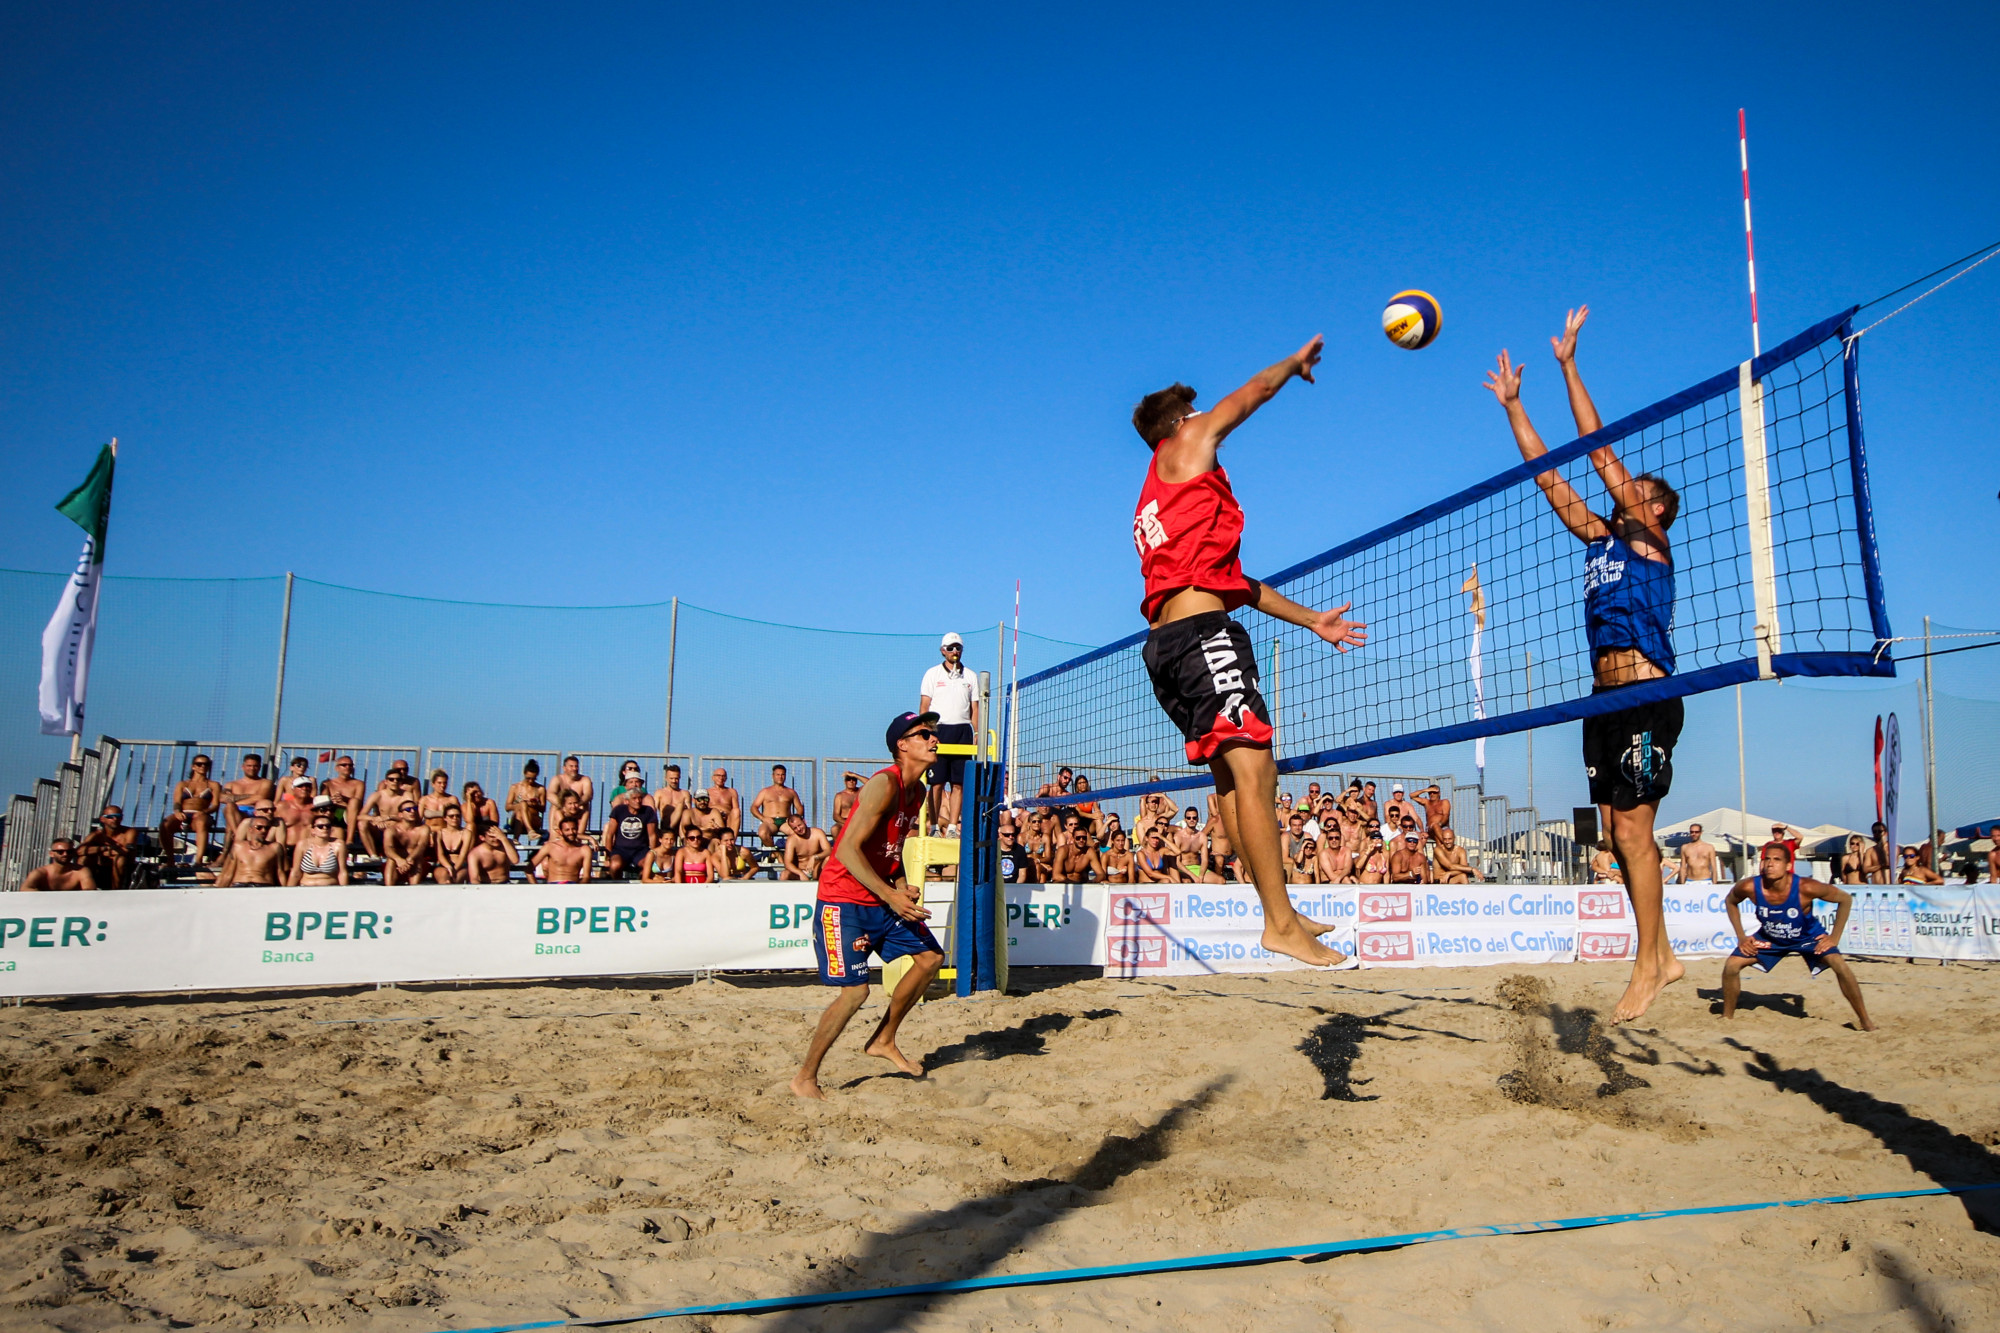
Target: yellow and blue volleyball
(1412,319)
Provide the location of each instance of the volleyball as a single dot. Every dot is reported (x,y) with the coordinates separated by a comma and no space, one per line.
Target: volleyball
(1411,319)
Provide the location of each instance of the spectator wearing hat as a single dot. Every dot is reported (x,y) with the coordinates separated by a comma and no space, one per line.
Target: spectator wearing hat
(952,692)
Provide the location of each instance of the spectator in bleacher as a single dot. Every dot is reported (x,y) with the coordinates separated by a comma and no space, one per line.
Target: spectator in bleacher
(1371,805)
(409,847)
(1291,832)
(697,862)
(670,802)
(658,867)
(243,793)
(952,692)
(705,816)
(738,861)
(572,781)
(1061,786)
(1038,841)
(1335,859)
(348,793)
(1435,810)
(1112,828)
(1407,862)
(1373,865)
(1015,865)
(379,811)
(1604,867)
(723,801)
(1406,826)
(480,812)
(1302,867)
(63,873)
(1155,861)
(1993,855)
(196,799)
(1915,871)
(527,802)
(628,772)
(774,806)
(565,858)
(492,858)
(631,827)
(1450,863)
(806,850)
(1780,833)
(109,850)
(430,806)
(1222,864)
(844,799)
(1188,844)
(1118,859)
(1852,865)
(255,857)
(453,842)
(573,809)
(1154,805)
(294,809)
(319,858)
(1076,857)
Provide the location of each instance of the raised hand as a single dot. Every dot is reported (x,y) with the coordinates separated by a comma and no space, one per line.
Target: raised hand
(1506,381)
(1565,346)
(1308,357)
(1339,631)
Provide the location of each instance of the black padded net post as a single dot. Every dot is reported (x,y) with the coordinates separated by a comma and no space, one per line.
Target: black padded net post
(1815,579)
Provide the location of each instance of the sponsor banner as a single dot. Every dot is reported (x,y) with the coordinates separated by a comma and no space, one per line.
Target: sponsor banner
(1463,925)
(1189,929)
(1953,922)
(1697,925)
(1056,925)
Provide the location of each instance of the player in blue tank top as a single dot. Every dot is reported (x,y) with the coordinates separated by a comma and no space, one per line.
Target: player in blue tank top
(1628,600)
(1786,925)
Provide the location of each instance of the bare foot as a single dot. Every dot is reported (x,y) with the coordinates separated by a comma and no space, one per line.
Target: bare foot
(887,1050)
(1644,988)
(807,1088)
(1316,927)
(1300,943)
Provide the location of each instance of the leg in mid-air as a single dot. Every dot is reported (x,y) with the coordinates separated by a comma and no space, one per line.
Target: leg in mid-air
(1246,778)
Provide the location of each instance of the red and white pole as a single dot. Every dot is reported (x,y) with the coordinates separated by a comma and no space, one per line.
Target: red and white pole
(1749,242)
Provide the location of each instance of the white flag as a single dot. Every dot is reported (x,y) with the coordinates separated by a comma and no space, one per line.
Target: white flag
(72,630)
(1478,609)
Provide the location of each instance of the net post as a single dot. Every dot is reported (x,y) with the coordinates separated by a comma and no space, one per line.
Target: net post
(1757,494)
(980,914)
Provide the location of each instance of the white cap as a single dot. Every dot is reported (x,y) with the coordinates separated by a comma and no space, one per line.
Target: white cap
(949,640)
(1398,787)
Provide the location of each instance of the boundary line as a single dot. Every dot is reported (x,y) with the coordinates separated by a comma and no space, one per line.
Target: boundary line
(1225,1259)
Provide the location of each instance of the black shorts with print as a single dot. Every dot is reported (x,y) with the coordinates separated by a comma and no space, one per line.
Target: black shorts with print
(1629,755)
(1205,675)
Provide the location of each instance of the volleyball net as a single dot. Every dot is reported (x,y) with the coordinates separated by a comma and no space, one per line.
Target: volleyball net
(1474,604)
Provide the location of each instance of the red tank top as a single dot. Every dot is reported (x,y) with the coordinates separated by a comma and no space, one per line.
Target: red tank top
(1189,536)
(883,851)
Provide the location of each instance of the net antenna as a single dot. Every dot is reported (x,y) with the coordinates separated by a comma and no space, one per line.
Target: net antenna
(1775,522)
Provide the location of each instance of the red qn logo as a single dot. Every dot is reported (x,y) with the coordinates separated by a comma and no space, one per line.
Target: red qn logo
(1377,906)
(1600,905)
(1387,946)
(1130,909)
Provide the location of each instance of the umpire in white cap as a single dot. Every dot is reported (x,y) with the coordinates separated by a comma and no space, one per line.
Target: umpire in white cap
(952,692)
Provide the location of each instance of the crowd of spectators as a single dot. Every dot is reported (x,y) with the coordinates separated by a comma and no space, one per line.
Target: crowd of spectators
(1862,860)
(256,831)
(1325,837)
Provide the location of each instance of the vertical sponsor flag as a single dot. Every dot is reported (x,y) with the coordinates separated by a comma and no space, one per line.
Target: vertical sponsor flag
(72,630)
(1477,607)
(1892,773)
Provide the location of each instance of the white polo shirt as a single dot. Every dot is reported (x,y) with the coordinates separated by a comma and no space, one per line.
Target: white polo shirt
(952,694)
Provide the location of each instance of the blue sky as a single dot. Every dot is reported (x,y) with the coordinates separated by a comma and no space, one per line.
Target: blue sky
(605,304)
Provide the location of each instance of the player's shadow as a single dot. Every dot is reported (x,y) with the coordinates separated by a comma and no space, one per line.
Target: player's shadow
(968,1239)
(1029,1037)
(1948,1158)
(1784,1003)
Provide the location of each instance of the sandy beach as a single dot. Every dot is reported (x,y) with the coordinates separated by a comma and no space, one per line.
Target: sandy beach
(430,1157)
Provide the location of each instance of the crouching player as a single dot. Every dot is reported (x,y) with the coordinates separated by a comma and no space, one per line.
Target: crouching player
(1786,925)
(866,907)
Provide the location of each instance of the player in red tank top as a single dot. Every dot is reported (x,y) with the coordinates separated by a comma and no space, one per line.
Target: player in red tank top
(1188,529)
(865,906)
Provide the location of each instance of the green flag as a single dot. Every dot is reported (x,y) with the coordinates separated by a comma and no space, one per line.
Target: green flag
(89,505)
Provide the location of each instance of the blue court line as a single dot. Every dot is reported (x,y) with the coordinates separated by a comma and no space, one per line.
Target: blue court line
(1226,1259)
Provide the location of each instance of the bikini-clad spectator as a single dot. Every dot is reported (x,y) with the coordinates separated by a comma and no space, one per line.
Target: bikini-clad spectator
(1118,859)
(738,862)
(197,798)
(454,844)
(697,862)
(320,858)
(527,802)
(430,806)
(478,808)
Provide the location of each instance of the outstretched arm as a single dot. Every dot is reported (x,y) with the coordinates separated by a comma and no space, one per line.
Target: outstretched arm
(1628,494)
(1333,625)
(1193,450)
(1505,384)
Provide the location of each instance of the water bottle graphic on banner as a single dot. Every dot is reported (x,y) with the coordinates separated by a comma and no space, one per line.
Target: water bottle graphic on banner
(1905,930)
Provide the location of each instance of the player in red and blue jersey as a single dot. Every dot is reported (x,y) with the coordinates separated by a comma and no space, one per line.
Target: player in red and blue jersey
(1787,925)
(1188,529)
(865,906)
(1628,604)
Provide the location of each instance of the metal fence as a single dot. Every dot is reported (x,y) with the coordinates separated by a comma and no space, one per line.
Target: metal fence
(750,774)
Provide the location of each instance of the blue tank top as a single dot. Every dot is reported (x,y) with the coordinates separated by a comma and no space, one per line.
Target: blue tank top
(1628,602)
(1788,922)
